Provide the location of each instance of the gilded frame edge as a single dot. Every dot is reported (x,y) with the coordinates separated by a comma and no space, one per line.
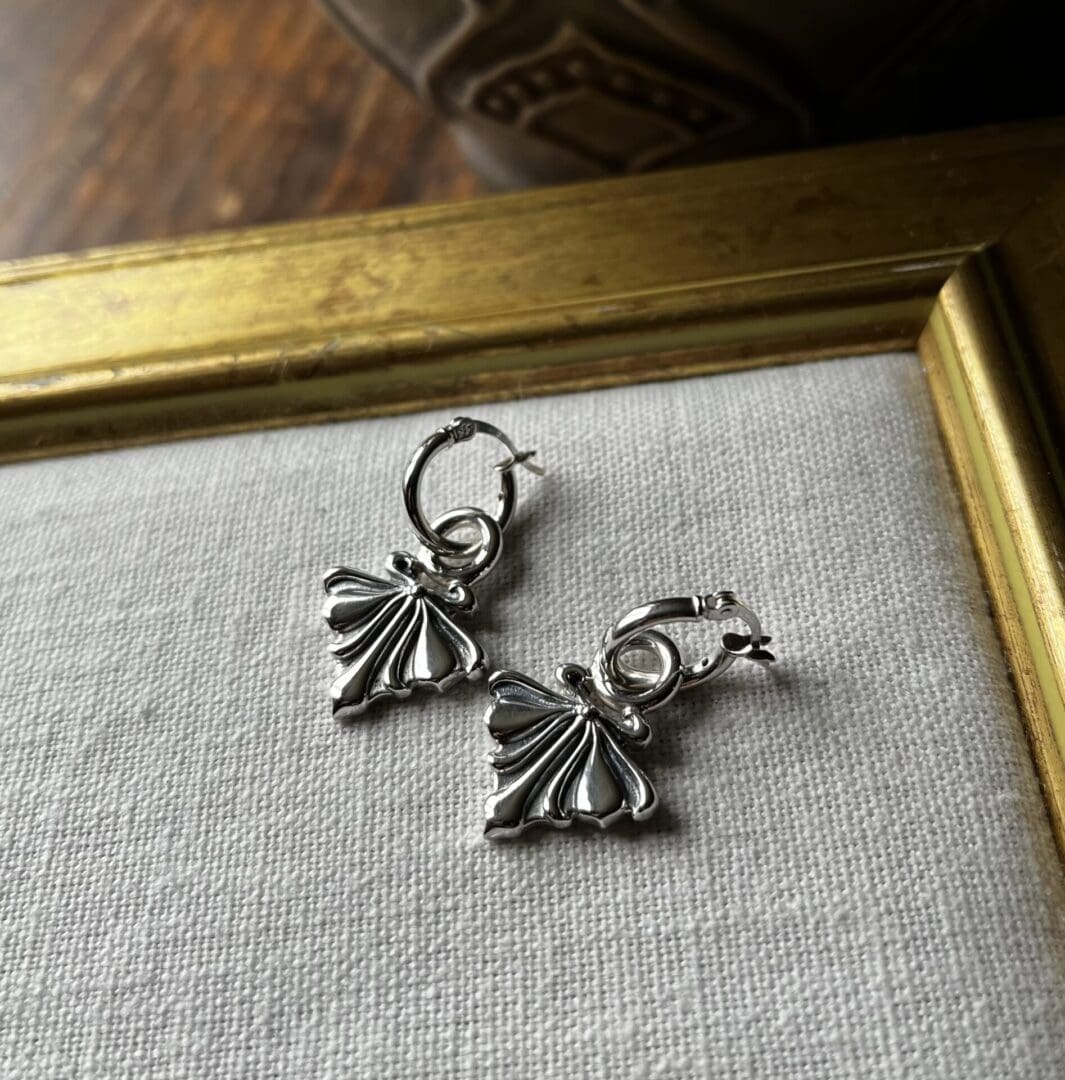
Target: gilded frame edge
(1012,505)
(942,293)
(655,276)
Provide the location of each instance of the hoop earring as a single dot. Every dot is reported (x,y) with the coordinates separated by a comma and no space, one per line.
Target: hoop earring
(564,755)
(395,634)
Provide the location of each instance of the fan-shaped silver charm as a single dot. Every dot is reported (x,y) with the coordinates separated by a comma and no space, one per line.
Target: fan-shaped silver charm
(393,636)
(561,758)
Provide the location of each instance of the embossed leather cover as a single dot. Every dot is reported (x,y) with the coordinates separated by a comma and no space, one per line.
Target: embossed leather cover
(562,89)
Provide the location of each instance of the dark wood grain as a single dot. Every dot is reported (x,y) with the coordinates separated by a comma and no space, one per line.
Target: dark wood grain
(139,119)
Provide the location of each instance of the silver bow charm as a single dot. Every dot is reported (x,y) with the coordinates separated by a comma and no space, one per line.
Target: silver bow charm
(393,636)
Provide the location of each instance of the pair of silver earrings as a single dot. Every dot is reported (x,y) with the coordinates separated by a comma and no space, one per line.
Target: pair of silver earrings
(562,754)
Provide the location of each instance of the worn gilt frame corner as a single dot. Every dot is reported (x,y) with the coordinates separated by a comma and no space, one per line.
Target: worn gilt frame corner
(953,245)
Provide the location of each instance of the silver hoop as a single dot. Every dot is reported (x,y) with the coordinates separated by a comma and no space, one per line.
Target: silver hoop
(461,429)
(717,607)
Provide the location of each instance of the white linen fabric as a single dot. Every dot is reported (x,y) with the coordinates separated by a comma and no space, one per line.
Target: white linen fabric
(851,873)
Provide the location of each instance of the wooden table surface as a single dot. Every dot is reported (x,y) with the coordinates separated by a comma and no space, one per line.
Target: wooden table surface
(139,119)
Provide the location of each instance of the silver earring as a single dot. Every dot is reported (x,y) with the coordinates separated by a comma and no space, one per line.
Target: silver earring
(395,634)
(564,754)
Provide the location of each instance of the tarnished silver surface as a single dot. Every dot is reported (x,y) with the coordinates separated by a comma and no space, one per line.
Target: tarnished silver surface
(563,754)
(395,634)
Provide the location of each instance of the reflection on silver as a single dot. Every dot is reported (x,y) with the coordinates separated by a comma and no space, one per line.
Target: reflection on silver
(563,755)
(395,634)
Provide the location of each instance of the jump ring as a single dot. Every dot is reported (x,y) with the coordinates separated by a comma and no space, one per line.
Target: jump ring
(645,693)
(471,561)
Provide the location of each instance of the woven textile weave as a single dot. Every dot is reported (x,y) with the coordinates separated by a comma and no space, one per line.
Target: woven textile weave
(852,873)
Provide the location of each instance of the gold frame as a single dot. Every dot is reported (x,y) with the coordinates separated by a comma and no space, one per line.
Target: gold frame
(953,245)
